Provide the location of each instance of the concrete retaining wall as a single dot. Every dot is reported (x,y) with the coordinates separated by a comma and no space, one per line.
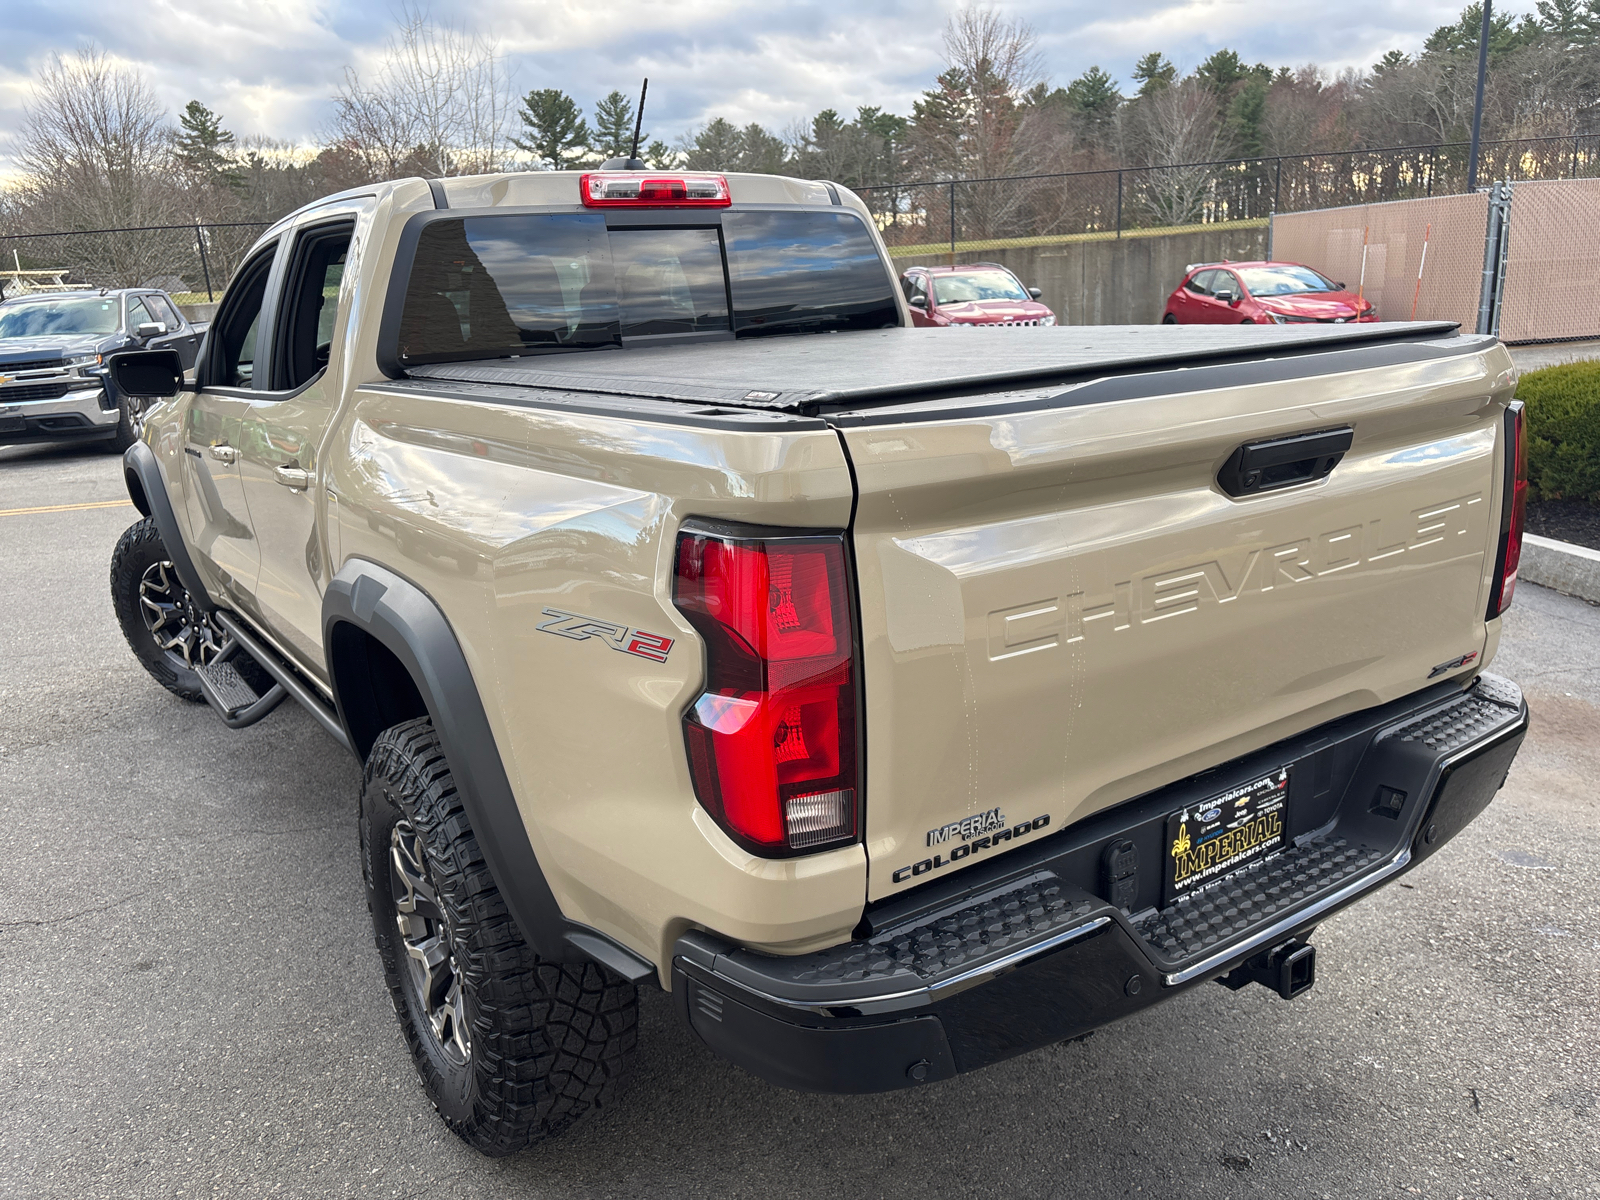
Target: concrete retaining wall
(1114,281)
(200,312)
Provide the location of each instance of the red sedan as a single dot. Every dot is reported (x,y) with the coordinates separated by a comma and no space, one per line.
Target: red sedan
(978,294)
(1262,293)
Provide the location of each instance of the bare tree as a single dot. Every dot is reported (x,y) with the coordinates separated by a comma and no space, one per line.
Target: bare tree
(438,103)
(1175,125)
(95,153)
(94,145)
(966,126)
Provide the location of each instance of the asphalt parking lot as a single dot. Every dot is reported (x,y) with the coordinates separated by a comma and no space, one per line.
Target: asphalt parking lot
(194,1006)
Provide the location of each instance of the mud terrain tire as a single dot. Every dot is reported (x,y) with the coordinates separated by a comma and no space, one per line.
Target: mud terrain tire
(511,1049)
(171,641)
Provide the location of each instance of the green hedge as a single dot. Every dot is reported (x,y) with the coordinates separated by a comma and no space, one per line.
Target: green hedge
(1563,428)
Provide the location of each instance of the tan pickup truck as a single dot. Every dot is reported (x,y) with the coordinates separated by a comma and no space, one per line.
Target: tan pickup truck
(899,699)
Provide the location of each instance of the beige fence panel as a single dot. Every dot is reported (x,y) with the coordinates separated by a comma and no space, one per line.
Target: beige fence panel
(1552,282)
(1377,249)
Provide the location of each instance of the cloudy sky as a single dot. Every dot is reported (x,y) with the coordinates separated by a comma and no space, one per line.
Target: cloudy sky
(270,66)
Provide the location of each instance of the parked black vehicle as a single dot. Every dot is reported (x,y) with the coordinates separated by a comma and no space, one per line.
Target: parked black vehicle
(53,346)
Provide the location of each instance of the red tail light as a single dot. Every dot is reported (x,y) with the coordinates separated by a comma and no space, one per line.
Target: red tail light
(1514,507)
(772,740)
(643,189)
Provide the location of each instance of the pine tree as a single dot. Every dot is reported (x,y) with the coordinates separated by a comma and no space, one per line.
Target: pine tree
(1391,62)
(1093,100)
(1247,113)
(557,135)
(1153,73)
(1222,70)
(613,126)
(659,155)
(1575,24)
(204,147)
(715,148)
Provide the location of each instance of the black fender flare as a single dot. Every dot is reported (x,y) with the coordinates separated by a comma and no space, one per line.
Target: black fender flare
(148,491)
(411,626)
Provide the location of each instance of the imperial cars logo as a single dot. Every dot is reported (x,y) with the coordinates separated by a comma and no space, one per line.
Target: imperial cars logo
(981,841)
(968,827)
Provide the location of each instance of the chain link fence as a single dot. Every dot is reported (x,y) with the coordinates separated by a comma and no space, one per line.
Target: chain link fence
(193,262)
(968,216)
(1519,259)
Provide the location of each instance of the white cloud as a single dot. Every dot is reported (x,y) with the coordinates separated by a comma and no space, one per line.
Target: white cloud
(271,66)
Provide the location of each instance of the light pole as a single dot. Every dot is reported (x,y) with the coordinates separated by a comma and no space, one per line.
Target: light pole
(1477,104)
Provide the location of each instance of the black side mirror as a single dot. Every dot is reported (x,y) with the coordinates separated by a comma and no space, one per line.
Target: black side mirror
(147,374)
(1225,298)
(1036,293)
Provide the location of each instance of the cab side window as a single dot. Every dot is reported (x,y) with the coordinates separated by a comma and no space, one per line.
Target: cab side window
(236,333)
(311,302)
(162,311)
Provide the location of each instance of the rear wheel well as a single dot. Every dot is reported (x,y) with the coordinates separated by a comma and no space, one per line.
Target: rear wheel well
(374,688)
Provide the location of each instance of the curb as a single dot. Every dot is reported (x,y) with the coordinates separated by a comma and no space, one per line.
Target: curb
(1572,570)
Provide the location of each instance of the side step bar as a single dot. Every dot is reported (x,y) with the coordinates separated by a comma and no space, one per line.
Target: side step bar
(237,703)
(231,695)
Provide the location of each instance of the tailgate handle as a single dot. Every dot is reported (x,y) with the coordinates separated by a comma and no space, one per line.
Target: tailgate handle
(1257,467)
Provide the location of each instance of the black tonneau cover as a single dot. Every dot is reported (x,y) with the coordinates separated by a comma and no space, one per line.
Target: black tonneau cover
(805,373)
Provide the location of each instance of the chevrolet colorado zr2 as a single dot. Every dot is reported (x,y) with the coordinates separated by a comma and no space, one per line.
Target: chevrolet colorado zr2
(702,625)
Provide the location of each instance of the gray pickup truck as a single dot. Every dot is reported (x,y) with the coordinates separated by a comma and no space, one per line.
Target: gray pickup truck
(899,703)
(53,347)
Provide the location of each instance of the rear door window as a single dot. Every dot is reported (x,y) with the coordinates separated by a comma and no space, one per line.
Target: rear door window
(163,312)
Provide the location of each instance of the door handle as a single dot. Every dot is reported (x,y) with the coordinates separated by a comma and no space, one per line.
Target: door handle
(224,453)
(293,477)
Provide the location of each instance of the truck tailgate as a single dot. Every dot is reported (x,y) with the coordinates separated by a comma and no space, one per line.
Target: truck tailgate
(1062,609)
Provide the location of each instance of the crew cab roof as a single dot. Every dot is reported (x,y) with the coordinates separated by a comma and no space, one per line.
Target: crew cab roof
(805,373)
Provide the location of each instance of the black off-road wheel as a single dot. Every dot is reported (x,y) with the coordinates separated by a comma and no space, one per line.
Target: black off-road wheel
(165,631)
(511,1049)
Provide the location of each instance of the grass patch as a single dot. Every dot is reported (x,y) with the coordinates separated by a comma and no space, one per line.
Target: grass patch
(1067,239)
(1563,431)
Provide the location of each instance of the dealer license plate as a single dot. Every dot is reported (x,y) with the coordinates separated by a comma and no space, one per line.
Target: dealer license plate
(1217,836)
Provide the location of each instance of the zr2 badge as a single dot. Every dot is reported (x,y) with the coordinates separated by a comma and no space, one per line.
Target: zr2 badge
(619,637)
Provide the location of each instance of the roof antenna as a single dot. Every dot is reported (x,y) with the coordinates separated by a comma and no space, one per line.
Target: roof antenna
(631,163)
(638,123)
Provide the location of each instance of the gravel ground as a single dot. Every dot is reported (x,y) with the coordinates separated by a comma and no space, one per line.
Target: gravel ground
(195,1007)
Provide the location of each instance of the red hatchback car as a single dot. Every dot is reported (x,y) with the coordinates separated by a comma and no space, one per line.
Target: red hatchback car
(1262,293)
(977,294)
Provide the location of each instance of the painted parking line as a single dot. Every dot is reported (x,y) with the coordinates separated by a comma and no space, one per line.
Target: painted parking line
(48,508)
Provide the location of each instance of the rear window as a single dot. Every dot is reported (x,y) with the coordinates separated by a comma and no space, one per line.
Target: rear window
(514,284)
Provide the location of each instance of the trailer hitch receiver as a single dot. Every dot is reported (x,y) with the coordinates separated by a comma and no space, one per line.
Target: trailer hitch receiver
(1290,969)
